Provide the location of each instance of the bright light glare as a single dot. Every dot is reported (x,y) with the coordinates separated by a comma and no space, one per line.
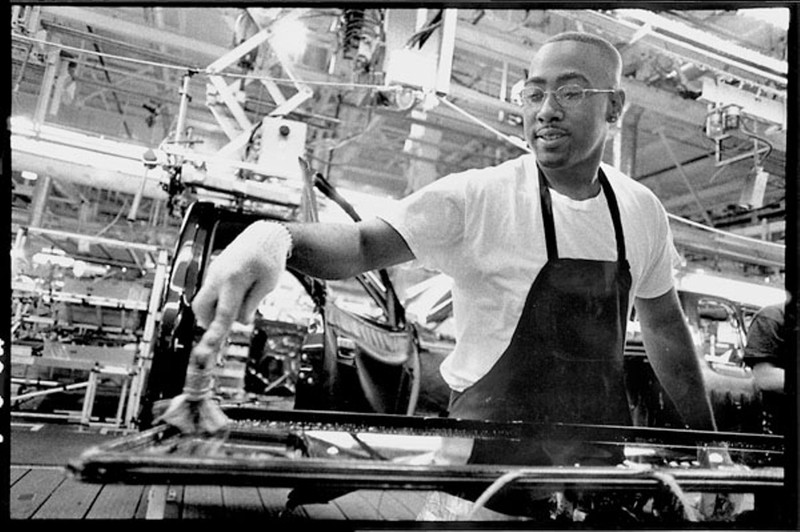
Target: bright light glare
(43,258)
(22,124)
(289,38)
(777,16)
(749,293)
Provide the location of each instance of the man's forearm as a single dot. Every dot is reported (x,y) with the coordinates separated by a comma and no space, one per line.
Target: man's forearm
(769,378)
(672,355)
(326,251)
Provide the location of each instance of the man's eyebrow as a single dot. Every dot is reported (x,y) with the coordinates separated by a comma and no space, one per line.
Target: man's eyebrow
(563,77)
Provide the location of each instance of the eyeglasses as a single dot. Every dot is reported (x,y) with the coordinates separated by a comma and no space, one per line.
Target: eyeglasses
(566,96)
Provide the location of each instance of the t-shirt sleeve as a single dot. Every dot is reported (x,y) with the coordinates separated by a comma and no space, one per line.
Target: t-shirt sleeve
(431,221)
(658,274)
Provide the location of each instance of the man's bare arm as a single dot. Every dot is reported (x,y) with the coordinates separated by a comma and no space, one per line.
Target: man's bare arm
(341,251)
(671,352)
(769,377)
(250,266)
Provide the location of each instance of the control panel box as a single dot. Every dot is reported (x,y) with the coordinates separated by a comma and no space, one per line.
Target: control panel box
(282,143)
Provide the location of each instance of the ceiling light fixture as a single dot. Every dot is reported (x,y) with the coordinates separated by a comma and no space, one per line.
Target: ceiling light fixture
(289,38)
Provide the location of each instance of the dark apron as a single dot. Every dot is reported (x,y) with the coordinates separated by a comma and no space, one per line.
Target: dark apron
(565,360)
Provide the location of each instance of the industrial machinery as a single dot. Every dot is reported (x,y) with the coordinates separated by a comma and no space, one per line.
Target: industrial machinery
(339,360)
(328,454)
(84,312)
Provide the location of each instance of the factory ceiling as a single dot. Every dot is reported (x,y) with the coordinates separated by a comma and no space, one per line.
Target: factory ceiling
(118,73)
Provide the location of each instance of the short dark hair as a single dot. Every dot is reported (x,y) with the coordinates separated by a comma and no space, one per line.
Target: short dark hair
(609,51)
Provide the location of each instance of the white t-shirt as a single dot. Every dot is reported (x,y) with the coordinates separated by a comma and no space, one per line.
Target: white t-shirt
(484,229)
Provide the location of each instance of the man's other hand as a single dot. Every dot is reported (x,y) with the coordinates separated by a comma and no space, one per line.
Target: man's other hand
(242,275)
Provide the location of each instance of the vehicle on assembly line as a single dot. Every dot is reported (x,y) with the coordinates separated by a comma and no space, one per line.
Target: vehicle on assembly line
(330,355)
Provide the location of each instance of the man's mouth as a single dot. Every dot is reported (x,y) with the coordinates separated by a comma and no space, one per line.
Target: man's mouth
(550,134)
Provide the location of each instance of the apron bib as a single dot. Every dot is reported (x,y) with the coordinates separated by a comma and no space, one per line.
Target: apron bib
(564,363)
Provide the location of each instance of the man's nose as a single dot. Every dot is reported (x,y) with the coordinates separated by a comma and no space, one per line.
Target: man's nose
(550,108)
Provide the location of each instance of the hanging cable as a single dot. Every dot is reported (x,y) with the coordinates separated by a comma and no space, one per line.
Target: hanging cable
(419,38)
(115,220)
(761,159)
(519,143)
(491,491)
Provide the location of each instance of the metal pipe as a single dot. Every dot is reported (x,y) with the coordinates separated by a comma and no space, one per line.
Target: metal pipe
(28,51)
(91,239)
(182,109)
(46,88)
(67,387)
(144,353)
(39,203)
(137,198)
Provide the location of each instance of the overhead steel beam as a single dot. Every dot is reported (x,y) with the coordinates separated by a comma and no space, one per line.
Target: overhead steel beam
(138,32)
(725,244)
(143,53)
(650,98)
(686,201)
(487,42)
(87,175)
(682,47)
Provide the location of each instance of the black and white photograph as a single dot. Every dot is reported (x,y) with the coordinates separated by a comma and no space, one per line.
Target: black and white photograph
(402,266)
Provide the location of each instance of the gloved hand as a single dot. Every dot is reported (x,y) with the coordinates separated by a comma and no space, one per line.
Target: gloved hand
(241,276)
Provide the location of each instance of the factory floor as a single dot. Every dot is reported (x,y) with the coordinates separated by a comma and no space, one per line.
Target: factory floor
(42,444)
(42,489)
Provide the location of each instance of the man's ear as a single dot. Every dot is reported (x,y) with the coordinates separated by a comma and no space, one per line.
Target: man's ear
(617,101)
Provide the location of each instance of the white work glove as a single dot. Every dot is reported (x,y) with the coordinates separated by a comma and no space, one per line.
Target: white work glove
(240,277)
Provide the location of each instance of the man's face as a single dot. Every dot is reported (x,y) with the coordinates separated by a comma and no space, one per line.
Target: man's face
(569,137)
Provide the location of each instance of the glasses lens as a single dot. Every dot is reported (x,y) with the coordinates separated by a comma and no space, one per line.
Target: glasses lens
(569,95)
(532,96)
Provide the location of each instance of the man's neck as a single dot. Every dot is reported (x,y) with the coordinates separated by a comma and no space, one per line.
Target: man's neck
(578,184)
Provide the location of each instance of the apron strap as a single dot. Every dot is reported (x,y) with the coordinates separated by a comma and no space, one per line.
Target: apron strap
(615,216)
(547,216)
(549,225)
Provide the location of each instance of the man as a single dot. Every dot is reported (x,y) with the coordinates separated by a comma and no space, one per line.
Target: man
(547,255)
(766,353)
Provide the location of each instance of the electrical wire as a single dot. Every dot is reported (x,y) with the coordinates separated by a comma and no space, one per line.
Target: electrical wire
(760,139)
(124,207)
(519,143)
(501,482)
(204,71)
(61,46)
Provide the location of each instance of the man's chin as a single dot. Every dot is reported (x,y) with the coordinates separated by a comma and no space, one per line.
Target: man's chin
(546,161)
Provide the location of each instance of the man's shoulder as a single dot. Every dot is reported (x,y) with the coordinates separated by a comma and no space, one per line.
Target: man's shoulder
(505,169)
(622,183)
